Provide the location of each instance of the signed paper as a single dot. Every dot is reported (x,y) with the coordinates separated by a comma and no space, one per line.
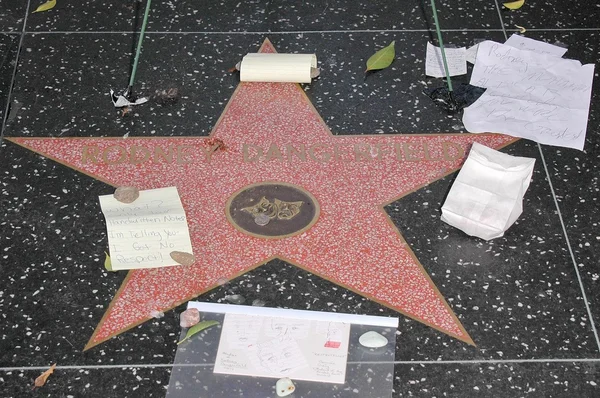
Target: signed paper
(536,96)
(278,347)
(142,234)
(455,58)
(540,47)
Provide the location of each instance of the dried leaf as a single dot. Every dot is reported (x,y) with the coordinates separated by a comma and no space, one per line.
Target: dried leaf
(521,29)
(41,379)
(382,58)
(198,328)
(46,6)
(107,262)
(514,5)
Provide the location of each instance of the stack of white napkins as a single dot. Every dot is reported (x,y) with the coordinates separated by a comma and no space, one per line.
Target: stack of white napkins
(487,196)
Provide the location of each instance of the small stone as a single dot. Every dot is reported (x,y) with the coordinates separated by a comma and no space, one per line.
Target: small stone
(258,303)
(169,96)
(235,298)
(183,258)
(189,318)
(126,194)
(157,314)
(372,339)
(284,387)
(222,281)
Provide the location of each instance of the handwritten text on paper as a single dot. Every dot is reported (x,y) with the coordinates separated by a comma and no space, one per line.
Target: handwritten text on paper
(142,234)
(541,97)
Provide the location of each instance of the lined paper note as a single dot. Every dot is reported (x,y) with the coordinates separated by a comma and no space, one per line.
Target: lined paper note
(142,234)
(455,57)
(537,96)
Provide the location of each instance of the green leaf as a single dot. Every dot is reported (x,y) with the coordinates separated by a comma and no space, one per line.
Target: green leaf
(107,262)
(46,6)
(514,5)
(198,328)
(382,58)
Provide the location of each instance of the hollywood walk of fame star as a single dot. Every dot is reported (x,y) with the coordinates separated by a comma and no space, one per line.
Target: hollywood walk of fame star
(271,133)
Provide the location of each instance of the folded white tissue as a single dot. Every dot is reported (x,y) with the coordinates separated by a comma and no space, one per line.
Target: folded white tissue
(487,196)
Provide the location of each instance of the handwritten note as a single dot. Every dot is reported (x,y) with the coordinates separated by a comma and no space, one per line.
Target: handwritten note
(283,347)
(540,47)
(536,96)
(455,58)
(143,233)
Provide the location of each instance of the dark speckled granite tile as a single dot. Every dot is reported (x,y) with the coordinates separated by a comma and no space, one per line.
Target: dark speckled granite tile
(518,295)
(543,14)
(12,15)
(73,100)
(575,174)
(262,16)
(566,380)
(75,383)
(87,15)
(8,51)
(281,15)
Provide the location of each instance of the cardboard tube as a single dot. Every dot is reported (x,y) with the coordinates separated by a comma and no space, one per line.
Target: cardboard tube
(279,68)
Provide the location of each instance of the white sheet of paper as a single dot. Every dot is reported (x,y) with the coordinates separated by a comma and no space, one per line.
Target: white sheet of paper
(142,234)
(471,54)
(300,349)
(487,196)
(540,47)
(455,57)
(540,97)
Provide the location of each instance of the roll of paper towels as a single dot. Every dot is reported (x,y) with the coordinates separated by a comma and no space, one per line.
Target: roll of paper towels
(278,68)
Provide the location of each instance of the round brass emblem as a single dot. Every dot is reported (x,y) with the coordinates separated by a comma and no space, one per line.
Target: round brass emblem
(272,210)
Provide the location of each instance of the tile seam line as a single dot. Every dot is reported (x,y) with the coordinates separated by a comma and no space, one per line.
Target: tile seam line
(432,362)
(573,259)
(501,20)
(297,31)
(562,223)
(259,32)
(14,74)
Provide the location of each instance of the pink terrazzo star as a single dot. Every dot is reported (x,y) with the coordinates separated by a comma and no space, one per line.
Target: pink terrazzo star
(271,132)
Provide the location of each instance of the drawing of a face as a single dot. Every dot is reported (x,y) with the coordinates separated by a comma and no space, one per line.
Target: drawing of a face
(269,358)
(285,328)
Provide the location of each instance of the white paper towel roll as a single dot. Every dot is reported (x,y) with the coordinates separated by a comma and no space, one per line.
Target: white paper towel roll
(279,68)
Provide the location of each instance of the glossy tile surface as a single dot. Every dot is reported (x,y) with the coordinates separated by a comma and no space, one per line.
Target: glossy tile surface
(528,299)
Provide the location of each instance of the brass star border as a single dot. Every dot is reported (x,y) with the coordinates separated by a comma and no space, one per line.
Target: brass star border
(270,133)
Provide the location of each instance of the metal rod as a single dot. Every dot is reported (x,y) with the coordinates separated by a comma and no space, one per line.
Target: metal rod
(439,35)
(139,46)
